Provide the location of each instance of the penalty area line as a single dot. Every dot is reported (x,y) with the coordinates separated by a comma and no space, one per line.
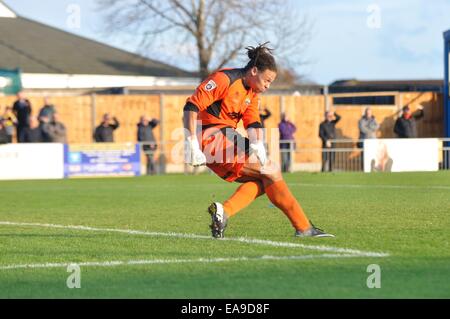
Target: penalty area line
(251,241)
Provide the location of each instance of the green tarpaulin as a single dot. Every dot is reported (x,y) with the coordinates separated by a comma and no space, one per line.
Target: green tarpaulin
(10,82)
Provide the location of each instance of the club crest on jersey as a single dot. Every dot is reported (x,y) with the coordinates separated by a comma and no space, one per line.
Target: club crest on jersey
(248,101)
(211,85)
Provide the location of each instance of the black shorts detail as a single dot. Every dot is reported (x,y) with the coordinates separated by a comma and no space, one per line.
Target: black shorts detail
(240,142)
(255,125)
(207,126)
(226,175)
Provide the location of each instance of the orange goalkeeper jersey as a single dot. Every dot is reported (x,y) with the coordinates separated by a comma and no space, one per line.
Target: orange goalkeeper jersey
(223,100)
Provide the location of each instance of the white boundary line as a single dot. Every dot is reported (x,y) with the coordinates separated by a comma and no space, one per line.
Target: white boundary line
(387,186)
(173,261)
(358,253)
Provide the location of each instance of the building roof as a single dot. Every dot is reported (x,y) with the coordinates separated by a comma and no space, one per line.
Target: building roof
(37,48)
(353,85)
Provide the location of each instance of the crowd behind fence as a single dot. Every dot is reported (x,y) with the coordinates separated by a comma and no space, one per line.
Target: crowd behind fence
(81,116)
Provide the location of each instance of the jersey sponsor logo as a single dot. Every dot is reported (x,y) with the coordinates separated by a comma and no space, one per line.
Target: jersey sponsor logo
(211,85)
(235,115)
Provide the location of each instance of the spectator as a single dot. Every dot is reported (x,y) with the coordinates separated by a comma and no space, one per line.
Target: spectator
(104,132)
(146,137)
(264,115)
(327,132)
(368,125)
(405,126)
(48,110)
(3,132)
(33,133)
(22,110)
(287,144)
(368,128)
(10,122)
(54,130)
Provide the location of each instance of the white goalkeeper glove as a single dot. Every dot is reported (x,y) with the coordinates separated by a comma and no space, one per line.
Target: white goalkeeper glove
(260,151)
(196,156)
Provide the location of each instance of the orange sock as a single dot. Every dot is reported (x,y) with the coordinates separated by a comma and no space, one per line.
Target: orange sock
(244,195)
(280,195)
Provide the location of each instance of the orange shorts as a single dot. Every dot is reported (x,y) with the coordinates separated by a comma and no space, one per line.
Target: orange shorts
(226,151)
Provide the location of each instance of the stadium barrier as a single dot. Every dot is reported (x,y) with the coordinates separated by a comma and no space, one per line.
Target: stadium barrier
(31,161)
(57,161)
(351,156)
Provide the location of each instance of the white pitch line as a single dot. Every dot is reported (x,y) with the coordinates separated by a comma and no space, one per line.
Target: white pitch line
(173,261)
(360,253)
(444,187)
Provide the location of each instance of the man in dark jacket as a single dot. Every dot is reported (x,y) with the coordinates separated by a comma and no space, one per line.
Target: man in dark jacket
(264,115)
(3,133)
(46,112)
(33,133)
(104,132)
(327,132)
(54,130)
(22,111)
(147,139)
(405,126)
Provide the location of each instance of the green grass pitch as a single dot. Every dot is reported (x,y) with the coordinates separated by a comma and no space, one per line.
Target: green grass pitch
(406,216)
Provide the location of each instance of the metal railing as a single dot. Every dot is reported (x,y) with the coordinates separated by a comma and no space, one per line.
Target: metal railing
(345,155)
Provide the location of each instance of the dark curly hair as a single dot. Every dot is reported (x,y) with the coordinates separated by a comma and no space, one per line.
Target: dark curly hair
(261,57)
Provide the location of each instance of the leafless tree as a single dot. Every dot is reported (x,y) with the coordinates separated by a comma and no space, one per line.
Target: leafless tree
(212,32)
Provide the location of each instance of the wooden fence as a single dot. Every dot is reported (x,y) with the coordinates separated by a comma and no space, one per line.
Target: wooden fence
(82,113)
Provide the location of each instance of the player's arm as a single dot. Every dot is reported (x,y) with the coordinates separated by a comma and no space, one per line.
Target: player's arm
(190,121)
(252,122)
(196,157)
(257,144)
(211,90)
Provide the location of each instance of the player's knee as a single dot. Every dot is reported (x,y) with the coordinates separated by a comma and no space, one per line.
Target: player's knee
(272,173)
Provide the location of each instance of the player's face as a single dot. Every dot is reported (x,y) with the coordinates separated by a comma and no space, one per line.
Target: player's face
(261,81)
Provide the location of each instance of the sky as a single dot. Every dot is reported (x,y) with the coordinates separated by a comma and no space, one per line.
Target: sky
(360,39)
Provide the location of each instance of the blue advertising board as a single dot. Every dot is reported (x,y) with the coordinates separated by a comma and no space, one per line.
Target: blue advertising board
(102,159)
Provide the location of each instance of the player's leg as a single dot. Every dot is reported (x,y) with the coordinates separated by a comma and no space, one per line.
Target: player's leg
(246,193)
(246,169)
(279,194)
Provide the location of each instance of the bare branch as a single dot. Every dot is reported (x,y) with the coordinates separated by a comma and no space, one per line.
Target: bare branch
(213,32)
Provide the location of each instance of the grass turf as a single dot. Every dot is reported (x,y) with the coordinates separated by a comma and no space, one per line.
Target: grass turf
(405,215)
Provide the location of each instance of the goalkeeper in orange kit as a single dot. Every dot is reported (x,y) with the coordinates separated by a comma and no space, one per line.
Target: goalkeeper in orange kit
(211,116)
